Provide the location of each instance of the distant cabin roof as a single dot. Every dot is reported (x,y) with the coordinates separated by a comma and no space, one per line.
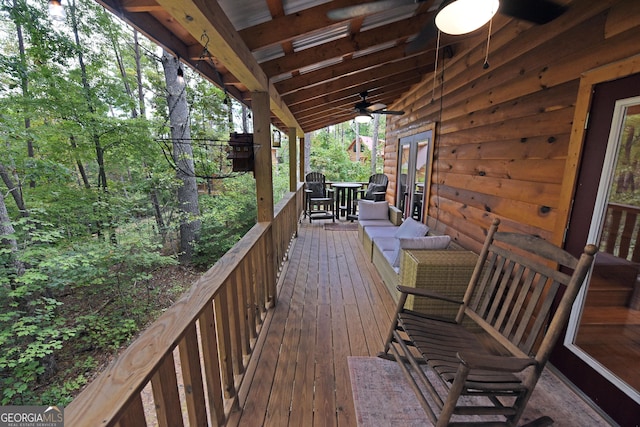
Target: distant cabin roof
(365,140)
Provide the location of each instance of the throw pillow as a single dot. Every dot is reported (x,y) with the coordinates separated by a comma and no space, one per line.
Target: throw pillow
(411,228)
(372,189)
(372,210)
(425,242)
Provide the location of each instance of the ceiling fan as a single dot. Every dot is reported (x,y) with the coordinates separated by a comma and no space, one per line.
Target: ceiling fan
(364,109)
(535,11)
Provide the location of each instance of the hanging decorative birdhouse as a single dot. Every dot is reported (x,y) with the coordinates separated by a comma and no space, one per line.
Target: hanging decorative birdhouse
(241,151)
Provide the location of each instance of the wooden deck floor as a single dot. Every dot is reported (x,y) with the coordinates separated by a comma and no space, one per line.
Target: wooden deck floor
(331,304)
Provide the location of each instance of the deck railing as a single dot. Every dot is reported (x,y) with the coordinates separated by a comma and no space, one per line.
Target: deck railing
(195,355)
(622,231)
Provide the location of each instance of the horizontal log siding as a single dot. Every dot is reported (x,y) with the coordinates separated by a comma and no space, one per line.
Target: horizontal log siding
(502,138)
(213,329)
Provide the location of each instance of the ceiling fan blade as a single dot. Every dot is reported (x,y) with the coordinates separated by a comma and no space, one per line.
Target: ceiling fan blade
(358,10)
(427,33)
(376,107)
(390,112)
(536,11)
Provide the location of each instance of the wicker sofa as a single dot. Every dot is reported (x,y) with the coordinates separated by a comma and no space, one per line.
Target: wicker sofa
(388,243)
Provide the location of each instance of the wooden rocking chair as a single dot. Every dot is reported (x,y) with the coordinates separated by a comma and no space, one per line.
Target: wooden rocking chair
(488,359)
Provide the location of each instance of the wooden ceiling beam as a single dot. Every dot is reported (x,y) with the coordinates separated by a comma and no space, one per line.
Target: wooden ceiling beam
(359,64)
(414,66)
(389,94)
(288,27)
(346,98)
(344,46)
(141,5)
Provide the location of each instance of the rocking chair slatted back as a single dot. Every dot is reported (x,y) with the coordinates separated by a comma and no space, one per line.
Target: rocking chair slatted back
(516,293)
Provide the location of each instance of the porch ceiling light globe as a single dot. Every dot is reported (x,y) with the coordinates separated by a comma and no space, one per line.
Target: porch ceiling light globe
(464,16)
(363,118)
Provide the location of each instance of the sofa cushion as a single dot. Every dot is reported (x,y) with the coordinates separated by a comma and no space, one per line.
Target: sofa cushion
(411,228)
(425,242)
(381,233)
(372,210)
(366,223)
(389,256)
(386,243)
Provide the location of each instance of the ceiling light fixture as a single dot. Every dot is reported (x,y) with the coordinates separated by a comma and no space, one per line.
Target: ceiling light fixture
(457,17)
(363,117)
(180,75)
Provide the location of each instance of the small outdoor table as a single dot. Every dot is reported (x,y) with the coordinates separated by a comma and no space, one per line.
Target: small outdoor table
(346,196)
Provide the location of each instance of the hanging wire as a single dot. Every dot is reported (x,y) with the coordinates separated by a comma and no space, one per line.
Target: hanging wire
(435,69)
(486,55)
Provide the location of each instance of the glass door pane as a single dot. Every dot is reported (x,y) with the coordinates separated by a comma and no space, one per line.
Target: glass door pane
(420,179)
(414,154)
(605,328)
(403,174)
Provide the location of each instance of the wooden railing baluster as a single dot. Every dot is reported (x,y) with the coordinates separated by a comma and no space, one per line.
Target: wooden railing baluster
(235,325)
(622,231)
(224,343)
(133,416)
(165,394)
(212,364)
(192,377)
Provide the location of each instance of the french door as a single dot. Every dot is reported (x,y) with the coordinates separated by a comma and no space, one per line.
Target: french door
(601,351)
(414,170)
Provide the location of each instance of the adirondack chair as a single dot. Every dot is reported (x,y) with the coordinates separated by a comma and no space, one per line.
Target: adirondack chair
(488,359)
(376,188)
(319,199)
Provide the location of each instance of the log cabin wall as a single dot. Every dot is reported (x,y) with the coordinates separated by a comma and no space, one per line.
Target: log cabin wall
(503,133)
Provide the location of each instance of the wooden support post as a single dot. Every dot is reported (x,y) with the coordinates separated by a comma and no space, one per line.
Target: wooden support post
(293,161)
(262,142)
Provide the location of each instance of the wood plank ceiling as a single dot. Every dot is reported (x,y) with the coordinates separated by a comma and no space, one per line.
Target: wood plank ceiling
(313,67)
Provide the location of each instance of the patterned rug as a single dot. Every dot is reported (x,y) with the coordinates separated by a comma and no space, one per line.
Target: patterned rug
(383,398)
(341,226)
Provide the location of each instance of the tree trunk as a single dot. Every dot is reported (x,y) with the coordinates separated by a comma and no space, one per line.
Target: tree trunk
(358,145)
(24,82)
(81,170)
(374,146)
(143,109)
(6,229)
(307,153)
(121,67)
(245,119)
(14,190)
(182,156)
(102,176)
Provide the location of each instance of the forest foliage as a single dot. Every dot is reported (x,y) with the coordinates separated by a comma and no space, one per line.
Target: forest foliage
(88,211)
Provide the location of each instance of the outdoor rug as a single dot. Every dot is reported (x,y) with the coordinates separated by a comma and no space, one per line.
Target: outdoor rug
(341,226)
(383,398)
